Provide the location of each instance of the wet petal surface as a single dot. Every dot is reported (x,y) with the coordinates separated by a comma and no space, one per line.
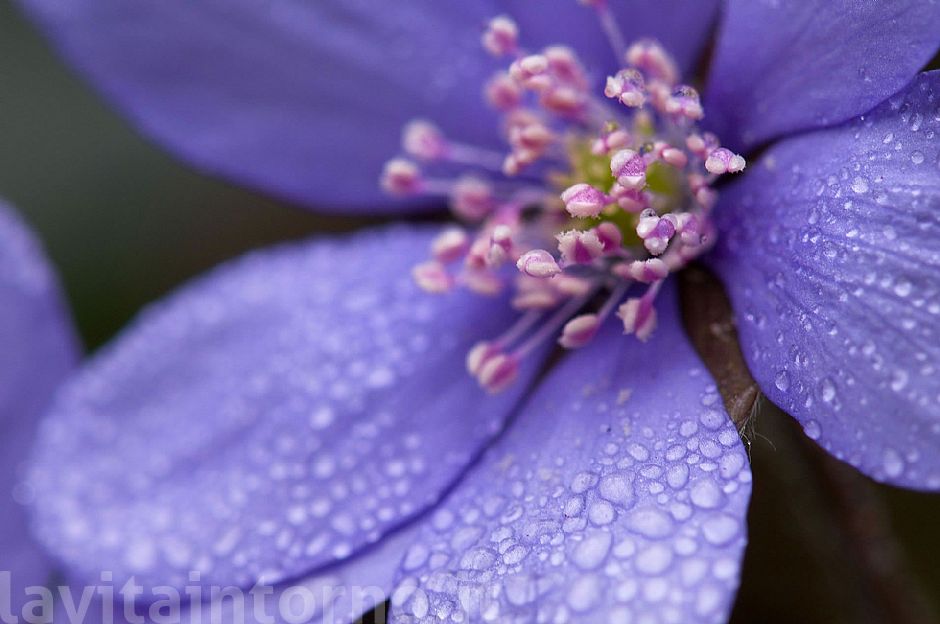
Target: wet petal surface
(268,419)
(830,250)
(618,495)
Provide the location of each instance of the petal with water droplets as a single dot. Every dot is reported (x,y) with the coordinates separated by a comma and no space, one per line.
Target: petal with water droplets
(37,349)
(782,66)
(830,250)
(338,594)
(272,417)
(619,494)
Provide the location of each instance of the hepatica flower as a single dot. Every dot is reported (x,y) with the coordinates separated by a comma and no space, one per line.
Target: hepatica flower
(305,414)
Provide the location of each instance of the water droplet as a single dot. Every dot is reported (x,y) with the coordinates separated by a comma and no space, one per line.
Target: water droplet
(650,522)
(827,390)
(893,463)
(617,488)
(515,554)
(520,589)
(720,529)
(478,559)
(601,513)
(585,592)
(860,185)
(812,429)
(592,551)
(782,381)
(917,157)
(706,494)
(677,475)
(583,481)
(899,380)
(654,560)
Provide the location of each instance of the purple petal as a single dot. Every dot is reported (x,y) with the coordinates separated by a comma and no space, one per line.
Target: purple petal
(830,249)
(273,417)
(620,495)
(682,27)
(306,99)
(785,66)
(38,348)
(339,594)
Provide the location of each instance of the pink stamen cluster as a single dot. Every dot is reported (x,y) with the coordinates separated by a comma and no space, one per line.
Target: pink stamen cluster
(596,198)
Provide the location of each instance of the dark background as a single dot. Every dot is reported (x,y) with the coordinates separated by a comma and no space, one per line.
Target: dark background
(125,223)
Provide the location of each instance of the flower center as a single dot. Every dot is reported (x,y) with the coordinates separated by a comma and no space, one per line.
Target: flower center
(597,201)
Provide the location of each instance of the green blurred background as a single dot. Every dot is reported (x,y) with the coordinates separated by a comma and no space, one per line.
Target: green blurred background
(125,223)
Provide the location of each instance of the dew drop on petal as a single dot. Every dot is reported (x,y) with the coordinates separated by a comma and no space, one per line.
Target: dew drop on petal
(893,463)
(827,390)
(812,429)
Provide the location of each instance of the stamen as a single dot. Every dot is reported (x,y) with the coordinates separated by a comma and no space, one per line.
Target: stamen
(450,245)
(655,231)
(401,177)
(432,277)
(627,87)
(551,327)
(613,195)
(724,161)
(629,168)
(610,237)
(579,247)
(610,141)
(475,156)
(609,26)
(639,315)
(650,57)
(472,198)
(423,140)
(581,329)
(501,37)
(503,93)
(538,263)
(498,372)
(583,200)
(531,72)
(520,327)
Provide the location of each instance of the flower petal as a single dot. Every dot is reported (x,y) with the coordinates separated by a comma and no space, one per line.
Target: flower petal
(619,495)
(830,249)
(268,419)
(338,594)
(306,100)
(785,66)
(38,349)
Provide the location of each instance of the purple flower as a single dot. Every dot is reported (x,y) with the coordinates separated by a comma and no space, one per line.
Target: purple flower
(38,349)
(305,413)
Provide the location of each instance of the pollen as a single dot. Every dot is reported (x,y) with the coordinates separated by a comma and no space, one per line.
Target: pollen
(602,193)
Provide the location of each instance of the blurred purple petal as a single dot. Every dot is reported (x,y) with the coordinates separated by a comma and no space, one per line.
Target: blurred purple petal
(831,249)
(791,65)
(270,418)
(338,594)
(620,495)
(38,348)
(306,99)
